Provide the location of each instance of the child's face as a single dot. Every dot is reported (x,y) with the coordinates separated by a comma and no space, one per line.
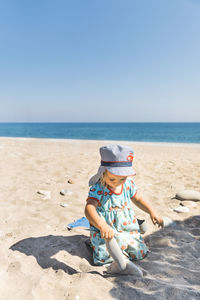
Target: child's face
(114,180)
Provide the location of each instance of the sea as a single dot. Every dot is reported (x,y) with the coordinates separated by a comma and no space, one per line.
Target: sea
(140,132)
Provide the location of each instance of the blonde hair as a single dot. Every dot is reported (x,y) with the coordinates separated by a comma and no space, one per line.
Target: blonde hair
(103,179)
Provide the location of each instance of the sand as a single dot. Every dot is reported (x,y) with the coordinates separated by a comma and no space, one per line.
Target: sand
(41,259)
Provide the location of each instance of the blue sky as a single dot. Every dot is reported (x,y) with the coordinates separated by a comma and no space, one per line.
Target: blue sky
(105,60)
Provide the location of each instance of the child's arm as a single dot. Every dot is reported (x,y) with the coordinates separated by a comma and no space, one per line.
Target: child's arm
(93,217)
(145,206)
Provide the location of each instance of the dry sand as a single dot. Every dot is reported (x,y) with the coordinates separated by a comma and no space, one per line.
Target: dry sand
(40,259)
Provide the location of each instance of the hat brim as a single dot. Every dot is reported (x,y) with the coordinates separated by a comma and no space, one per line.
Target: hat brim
(118,171)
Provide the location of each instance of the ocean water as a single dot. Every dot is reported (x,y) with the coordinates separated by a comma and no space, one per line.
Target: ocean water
(143,132)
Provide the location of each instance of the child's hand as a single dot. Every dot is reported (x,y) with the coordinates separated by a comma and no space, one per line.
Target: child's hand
(156,220)
(106,231)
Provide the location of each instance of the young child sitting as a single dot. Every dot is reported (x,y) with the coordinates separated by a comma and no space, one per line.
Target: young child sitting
(109,209)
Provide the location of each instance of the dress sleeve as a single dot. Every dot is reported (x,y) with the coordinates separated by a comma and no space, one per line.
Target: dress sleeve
(95,193)
(133,188)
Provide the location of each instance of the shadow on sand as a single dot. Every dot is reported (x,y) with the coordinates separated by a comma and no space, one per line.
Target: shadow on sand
(44,247)
(171,270)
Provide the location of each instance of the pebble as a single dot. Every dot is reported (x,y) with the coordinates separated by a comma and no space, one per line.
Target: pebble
(181,209)
(70,181)
(64,204)
(190,204)
(188,195)
(46,194)
(65,192)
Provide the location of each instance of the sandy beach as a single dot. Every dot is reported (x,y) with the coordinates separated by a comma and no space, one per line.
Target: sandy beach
(42,260)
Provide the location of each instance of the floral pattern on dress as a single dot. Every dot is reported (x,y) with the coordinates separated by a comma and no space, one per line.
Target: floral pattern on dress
(117,211)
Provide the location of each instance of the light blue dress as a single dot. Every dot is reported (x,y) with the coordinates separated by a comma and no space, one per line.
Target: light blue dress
(116,210)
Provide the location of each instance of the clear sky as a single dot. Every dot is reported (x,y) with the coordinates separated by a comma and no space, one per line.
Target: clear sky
(99,60)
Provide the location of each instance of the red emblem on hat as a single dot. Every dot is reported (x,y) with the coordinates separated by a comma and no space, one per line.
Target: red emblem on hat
(130,157)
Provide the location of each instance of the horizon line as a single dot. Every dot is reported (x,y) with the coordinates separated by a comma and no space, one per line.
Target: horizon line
(97,122)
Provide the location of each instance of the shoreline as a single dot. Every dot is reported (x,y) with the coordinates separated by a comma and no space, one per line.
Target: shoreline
(168,144)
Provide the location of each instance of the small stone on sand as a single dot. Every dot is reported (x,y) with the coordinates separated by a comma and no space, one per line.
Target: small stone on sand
(188,195)
(46,194)
(181,209)
(64,204)
(189,204)
(70,181)
(65,192)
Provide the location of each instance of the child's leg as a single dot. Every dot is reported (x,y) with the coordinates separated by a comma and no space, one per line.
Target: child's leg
(116,253)
(121,264)
(100,254)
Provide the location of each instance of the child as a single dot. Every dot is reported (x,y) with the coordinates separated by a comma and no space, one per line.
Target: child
(109,210)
